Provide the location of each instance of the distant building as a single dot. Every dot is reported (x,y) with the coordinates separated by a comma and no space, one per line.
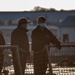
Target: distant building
(11,18)
(67,29)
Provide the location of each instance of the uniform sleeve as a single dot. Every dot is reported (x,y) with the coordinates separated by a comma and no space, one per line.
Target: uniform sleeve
(33,40)
(2,40)
(14,39)
(54,40)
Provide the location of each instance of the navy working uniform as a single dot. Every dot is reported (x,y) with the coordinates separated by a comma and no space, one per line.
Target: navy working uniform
(19,37)
(41,37)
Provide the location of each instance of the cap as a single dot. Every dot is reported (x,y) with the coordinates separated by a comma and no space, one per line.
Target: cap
(23,20)
(41,19)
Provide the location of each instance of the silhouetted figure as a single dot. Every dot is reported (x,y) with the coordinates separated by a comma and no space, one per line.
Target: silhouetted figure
(2,42)
(19,37)
(41,37)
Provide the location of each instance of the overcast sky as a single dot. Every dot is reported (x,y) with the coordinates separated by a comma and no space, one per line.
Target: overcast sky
(22,5)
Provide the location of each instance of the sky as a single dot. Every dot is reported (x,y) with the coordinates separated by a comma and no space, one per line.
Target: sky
(27,5)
